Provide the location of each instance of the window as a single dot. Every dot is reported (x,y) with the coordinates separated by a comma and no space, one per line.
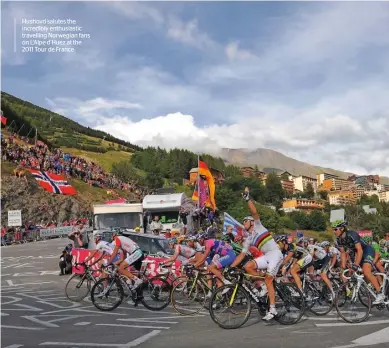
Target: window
(167,216)
(124,220)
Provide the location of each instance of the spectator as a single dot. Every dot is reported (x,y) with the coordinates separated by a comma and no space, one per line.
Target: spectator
(80,237)
(65,263)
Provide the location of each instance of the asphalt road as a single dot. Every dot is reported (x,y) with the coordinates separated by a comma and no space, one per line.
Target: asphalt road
(36,313)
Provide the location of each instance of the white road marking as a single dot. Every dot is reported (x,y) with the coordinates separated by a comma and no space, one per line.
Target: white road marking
(4,314)
(24,307)
(50,323)
(21,327)
(376,322)
(82,310)
(14,346)
(142,339)
(131,344)
(378,337)
(139,320)
(10,282)
(169,317)
(82,323)
(136,326)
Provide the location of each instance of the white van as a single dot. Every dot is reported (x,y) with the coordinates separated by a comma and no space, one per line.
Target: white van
(167,207)
(124,215)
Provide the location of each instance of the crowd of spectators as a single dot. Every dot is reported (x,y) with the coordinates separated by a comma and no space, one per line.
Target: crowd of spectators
(17,150)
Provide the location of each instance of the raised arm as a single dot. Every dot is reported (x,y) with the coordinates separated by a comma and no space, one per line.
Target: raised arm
(251,205)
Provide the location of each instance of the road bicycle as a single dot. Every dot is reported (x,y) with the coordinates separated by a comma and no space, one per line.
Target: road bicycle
(189,295)
(80,283)
(236,300)
(109,292)
(359,295)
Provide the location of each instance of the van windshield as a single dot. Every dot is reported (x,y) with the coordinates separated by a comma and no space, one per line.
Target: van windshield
(124,220)
(167,217)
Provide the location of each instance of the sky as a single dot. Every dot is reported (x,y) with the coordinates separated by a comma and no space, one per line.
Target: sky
(310,80)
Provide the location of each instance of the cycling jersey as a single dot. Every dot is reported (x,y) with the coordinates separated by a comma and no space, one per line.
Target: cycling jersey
(348,244)
(105,247)
(334,251)
(184,251)
(289,247)
(318,252)
(260,238)
(383,253)
(300,252)
(125,244)
(218,247)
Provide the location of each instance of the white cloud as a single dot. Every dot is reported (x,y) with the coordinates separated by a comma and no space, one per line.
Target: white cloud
(233,52)
(188,33)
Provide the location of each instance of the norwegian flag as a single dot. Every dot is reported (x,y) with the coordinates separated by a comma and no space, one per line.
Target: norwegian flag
(3,118)
(53,183)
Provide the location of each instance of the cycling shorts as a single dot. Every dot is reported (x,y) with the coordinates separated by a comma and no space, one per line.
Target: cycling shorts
(115,259)
(368,255)
(305,262)
(270,261)
(224,261)
(134,257)
(323,265)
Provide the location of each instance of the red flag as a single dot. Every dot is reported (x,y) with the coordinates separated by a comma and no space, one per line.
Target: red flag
(204,171)
(53,183)
(3,119)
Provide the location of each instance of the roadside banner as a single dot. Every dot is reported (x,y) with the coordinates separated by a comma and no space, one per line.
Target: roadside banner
(55,231)
(15,218)
(338,214)
(365,233)
(153,269)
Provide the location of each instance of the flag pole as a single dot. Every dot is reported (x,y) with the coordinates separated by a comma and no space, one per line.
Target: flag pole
(198,179)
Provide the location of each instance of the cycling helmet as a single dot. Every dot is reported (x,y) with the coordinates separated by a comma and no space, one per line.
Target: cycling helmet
(248,218)
(300,241)
(382,243)
(180,239)
(325,244)
(172,240)
(191,238)
(281,238)
(202,236)
(98,235)
(338,223)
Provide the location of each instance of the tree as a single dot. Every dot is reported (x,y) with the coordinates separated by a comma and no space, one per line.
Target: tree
(225,198)
(317,221)
(154,179)
(323,195)
(309,192)
(274,191)
(124,171)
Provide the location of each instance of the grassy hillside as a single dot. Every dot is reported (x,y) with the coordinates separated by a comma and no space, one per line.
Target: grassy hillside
(58,130)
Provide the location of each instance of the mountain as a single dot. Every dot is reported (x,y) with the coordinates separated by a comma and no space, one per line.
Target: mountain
(269,160)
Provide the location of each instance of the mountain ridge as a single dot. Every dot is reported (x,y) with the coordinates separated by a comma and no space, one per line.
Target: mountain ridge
(268,158)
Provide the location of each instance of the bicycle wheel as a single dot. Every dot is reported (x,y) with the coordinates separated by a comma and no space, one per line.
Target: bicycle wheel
(325,302)
(110,294)
(352,310)
(77,287)
(363,295)
(290,303)
(188,297)
(156,293)
(230,299)
(126,290)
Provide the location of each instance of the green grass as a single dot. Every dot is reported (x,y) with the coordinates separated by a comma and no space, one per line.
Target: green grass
(320,236)
(106,160)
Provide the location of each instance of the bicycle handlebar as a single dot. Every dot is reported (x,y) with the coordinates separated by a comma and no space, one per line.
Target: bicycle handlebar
(354,273)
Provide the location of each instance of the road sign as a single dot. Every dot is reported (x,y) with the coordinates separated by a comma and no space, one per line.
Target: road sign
(337,214)
(15,218)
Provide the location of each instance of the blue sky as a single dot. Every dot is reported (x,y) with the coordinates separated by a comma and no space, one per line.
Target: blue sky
(307,79)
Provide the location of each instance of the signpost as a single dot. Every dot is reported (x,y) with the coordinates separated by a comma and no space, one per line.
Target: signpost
(338,214)
(15,218)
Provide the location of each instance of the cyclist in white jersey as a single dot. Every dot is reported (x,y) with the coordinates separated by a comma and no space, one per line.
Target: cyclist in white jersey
(321,262)
(134,257)
(262,239)
(181,252)
(333,253)
(105,248)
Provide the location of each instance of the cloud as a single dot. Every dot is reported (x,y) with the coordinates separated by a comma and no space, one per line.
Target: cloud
(188,33)
(233,52)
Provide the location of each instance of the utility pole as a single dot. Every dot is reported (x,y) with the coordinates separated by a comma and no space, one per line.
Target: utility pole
(36,135)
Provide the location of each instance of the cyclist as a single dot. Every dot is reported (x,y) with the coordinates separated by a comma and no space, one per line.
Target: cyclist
(262,239)
(105,248)
(287,250)
(218,254)
(134,257)
(364,254)
(304,260)
(377,256)
(333,252)
(321,262)
(181,252)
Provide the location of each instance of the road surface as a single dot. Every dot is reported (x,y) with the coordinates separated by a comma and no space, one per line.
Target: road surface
(36,313)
